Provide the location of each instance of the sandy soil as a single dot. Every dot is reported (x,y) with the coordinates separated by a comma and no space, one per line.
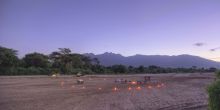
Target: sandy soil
(179,92)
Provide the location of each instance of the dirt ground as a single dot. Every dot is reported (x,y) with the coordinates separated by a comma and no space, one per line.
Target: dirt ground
(100,92)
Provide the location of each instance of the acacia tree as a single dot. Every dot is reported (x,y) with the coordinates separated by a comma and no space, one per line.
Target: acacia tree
(66,61)
(60,59)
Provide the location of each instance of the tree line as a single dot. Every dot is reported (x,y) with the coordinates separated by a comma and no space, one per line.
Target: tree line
(63,61)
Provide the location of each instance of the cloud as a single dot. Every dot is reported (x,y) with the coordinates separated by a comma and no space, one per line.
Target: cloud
(214,49)
(199,44)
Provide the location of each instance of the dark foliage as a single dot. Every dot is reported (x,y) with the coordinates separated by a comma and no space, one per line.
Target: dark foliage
(64,61)
(214,96)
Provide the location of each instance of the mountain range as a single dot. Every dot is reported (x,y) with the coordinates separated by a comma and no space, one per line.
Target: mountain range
(109,58)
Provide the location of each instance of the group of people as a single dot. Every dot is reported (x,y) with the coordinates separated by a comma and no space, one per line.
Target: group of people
(146,79)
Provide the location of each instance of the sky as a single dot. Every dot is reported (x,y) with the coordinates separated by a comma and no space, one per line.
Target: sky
(127,27)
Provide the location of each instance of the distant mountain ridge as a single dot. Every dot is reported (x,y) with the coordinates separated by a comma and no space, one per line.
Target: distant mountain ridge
(109,58)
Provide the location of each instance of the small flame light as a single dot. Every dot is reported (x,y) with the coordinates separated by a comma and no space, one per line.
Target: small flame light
(129,88)
(115,89)
(138,88)
(158,86)
(99,88)
(149,87)
(133,82)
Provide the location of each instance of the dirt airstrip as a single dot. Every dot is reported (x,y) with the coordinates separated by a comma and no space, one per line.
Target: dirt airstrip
(100,92)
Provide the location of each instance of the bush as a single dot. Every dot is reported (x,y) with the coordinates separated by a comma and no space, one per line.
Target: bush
(218,74)
(24,71)
(214,96)
(37,71)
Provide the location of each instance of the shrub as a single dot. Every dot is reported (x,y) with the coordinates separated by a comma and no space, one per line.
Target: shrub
(37,71)
(218,74)
(214,96)
(24,71)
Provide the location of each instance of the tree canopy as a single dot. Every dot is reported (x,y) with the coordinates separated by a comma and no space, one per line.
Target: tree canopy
(36,60)
(8,57)
(66,62)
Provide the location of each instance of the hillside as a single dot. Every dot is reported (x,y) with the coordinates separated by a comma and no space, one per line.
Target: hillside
(109,59)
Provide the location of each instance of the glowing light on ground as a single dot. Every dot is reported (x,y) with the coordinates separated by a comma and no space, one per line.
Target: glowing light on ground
(138,88)
(149,87)
(158,86)
(133,82)
(54,76)
(115,89)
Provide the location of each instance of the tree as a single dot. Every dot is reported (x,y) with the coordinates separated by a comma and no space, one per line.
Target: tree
(87,61)
(8,57)
(98,69)
(140,69)
(130,69)
(60,59)
(95,61)
(36,60)
(212,69)
(119,68)
(153,69)
(67,61)
(64,51)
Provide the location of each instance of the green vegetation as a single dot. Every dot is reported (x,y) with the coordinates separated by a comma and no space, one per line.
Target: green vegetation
(214,93)
(8,57)
(64,61)
(36,60)
(214,96)
(218,74)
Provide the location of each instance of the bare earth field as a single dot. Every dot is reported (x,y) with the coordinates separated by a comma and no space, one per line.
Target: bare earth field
(176,92)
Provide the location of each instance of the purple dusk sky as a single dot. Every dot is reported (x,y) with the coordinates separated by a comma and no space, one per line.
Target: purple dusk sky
(128,27)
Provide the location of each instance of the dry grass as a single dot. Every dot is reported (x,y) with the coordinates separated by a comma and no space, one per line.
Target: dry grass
(179,92)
